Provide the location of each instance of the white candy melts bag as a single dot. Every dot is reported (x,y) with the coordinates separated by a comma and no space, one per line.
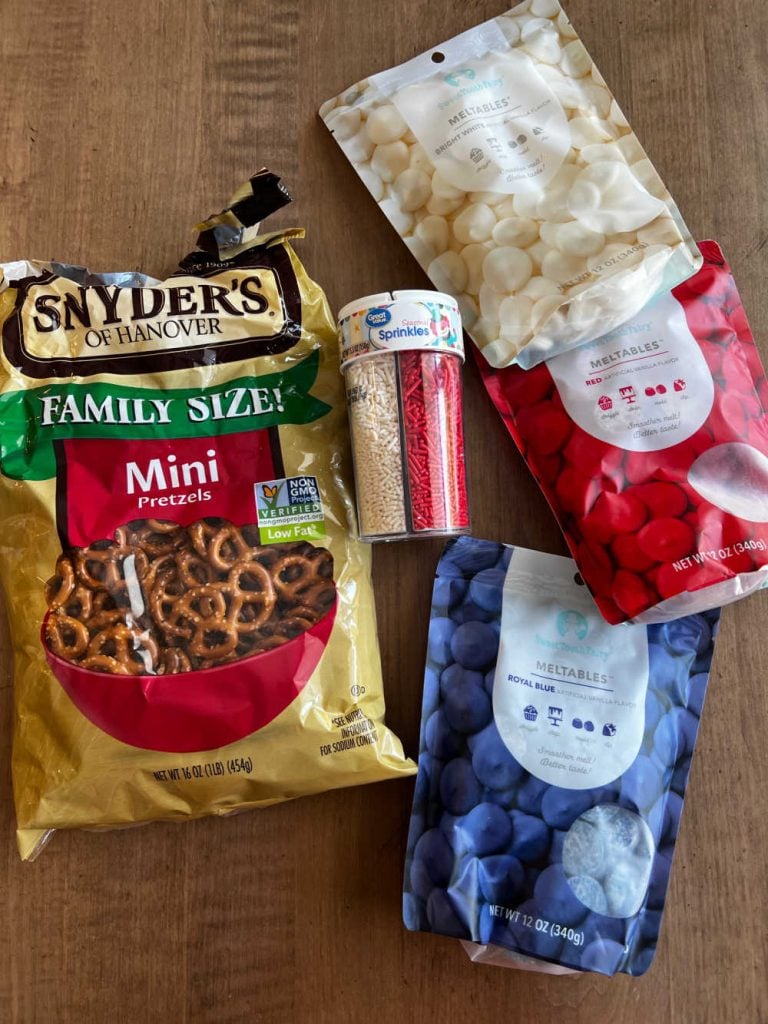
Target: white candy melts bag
(505,164)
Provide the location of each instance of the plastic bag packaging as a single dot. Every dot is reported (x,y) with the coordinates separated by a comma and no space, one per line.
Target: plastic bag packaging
(651,446)
(505,164)
(554,755)
(193,626)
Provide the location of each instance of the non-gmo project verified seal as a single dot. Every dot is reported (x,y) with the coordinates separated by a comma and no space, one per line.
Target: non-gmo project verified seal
(289,509)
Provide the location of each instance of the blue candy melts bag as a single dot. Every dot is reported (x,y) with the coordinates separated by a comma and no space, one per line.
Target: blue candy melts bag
(554,755)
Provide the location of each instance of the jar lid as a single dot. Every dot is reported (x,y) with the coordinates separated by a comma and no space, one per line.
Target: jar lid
(414,319)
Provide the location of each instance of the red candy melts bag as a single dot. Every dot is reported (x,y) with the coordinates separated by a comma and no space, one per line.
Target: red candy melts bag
(651,446)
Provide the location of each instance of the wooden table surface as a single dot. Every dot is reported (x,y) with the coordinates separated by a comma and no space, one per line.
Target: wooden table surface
(123,124)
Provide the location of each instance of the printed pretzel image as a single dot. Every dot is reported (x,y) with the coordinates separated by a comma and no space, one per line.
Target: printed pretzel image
(163,599)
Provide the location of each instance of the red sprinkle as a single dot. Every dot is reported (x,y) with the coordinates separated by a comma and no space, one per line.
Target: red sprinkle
(430,385)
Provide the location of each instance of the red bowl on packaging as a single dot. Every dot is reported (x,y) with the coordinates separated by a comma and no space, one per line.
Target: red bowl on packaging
(199,710)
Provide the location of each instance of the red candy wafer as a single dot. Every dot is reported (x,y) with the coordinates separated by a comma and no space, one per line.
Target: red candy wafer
(614,515)
(631,593)
(627,552)
(660,518)
(667,540)
(662,499)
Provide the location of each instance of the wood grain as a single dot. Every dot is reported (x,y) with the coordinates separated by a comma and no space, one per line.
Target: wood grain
(122,125)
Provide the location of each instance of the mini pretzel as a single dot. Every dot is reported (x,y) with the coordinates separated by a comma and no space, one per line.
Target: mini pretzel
(162,526)
(79,604)
(174,660)
(105,663)
(291,573)
(292,626)
(322,561)
(99,568)
(247,619)
(251,585)
(61,584)
(104,620)
(128,649)
(202,533)
(66,637)
(162,604)
(255,644)
(226,548)
(249,643)
(319,595)
(200,603)
(319,559)
(103,601)
(269,643)
(154,536)
(193,570)
(214,638)
(268,557)
(303,611)
(222,545)
(147,570)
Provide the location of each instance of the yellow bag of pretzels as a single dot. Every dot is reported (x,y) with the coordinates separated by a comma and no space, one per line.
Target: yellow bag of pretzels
(193,627)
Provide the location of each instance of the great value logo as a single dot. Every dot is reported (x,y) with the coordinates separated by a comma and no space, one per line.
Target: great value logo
(378,317)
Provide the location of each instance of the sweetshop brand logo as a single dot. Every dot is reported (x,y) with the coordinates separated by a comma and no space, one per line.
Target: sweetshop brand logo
(454,78)
(573,623)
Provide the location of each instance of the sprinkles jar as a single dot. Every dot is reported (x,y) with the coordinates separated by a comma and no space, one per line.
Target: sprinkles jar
(401,355)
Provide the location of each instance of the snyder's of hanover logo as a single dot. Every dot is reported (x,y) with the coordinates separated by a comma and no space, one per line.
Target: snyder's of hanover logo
(61,327)
(103,316)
